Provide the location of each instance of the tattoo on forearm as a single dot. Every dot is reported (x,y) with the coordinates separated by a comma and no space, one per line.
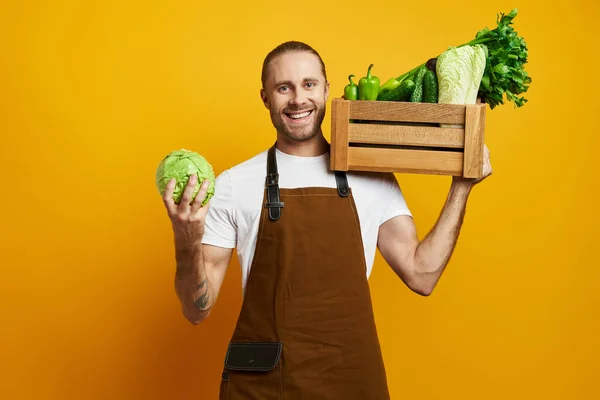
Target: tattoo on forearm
(202,301)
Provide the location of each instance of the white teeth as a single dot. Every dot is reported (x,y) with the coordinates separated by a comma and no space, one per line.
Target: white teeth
(302,115)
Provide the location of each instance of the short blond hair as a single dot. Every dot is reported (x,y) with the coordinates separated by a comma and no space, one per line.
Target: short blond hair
(287,47)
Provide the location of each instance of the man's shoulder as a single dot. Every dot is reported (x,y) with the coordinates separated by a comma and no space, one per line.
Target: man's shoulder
(371,181)
(378,196)
(259,160)
(252,168)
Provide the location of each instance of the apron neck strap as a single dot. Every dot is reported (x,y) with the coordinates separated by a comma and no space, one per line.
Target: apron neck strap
(341,181)
(274,204)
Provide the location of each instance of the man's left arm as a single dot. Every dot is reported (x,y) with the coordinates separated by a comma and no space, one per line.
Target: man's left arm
(420,263)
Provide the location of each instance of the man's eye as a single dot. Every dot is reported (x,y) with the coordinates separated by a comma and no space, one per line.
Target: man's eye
(282,88)
(310,84)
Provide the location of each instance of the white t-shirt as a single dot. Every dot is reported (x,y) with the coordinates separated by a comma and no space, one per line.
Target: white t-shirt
(234,213)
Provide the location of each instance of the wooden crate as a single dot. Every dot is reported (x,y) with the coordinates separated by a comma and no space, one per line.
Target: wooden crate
(407,137)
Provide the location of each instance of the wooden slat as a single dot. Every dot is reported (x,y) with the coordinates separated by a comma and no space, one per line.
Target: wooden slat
(406,135)
(406,112)
(474,140)
(403,160)
(340,110)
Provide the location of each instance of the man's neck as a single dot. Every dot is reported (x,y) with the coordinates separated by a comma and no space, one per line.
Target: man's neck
(310,148)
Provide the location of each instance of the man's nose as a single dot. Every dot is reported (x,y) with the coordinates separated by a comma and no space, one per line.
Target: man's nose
(299,97)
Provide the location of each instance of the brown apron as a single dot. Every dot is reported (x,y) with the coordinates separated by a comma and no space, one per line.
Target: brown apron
(306,329)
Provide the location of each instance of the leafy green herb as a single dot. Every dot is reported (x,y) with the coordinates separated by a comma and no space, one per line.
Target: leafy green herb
(506,55)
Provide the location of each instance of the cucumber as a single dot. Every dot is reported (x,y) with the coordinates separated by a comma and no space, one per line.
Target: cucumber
(417,94)
(401,93)
(430,87)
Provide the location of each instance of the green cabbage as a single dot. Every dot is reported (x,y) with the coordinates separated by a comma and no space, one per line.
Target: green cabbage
(459,72)
(181,165)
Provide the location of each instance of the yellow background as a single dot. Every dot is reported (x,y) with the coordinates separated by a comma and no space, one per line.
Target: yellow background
(95,93)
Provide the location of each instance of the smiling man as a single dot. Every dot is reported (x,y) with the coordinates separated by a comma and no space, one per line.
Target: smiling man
(295,98)
(306,239)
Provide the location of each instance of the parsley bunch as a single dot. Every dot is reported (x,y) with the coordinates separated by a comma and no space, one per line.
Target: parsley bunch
(506,56)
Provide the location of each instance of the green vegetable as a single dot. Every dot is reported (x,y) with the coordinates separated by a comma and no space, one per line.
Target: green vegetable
(459,72)
(417,94)
(368,86)
(430,87)
(351,90)
(181,165)
(401,93)
(391,84)
(506,57)
(504,72)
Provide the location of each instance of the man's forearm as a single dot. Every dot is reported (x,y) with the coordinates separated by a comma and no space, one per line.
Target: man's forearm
(192,284)
(434,251)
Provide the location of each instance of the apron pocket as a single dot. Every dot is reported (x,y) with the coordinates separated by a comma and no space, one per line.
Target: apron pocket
(253,371)
(258,357)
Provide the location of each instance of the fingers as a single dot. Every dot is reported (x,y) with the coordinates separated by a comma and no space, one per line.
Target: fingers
(487,159)
(188,192)
(168,196)
(200,196)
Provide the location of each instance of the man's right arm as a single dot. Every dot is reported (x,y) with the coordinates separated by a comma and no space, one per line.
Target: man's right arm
(200,267)
(200,272)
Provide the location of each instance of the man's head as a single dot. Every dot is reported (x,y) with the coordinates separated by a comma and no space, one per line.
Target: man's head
(295,90)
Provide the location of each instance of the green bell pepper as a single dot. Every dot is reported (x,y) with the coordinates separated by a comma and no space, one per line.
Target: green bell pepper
(368,86)
(351,90)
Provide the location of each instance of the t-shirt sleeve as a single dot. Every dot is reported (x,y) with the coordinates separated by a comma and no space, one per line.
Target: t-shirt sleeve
(220,228)
(395,203)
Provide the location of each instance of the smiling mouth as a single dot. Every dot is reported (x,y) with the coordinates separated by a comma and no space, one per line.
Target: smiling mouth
(299,116)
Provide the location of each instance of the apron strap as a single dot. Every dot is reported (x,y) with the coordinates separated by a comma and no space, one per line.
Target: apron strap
(273,203)
(342,183)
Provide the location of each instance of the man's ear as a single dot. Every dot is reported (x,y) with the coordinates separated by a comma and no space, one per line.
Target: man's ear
(326,91)
(265,99)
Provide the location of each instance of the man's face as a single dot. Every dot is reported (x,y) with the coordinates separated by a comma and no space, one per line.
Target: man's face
(295,93)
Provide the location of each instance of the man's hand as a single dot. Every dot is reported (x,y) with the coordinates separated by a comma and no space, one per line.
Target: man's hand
(187,219)
(487,171)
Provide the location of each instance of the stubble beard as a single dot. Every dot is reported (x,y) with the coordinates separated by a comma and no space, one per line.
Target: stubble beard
(299,135)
